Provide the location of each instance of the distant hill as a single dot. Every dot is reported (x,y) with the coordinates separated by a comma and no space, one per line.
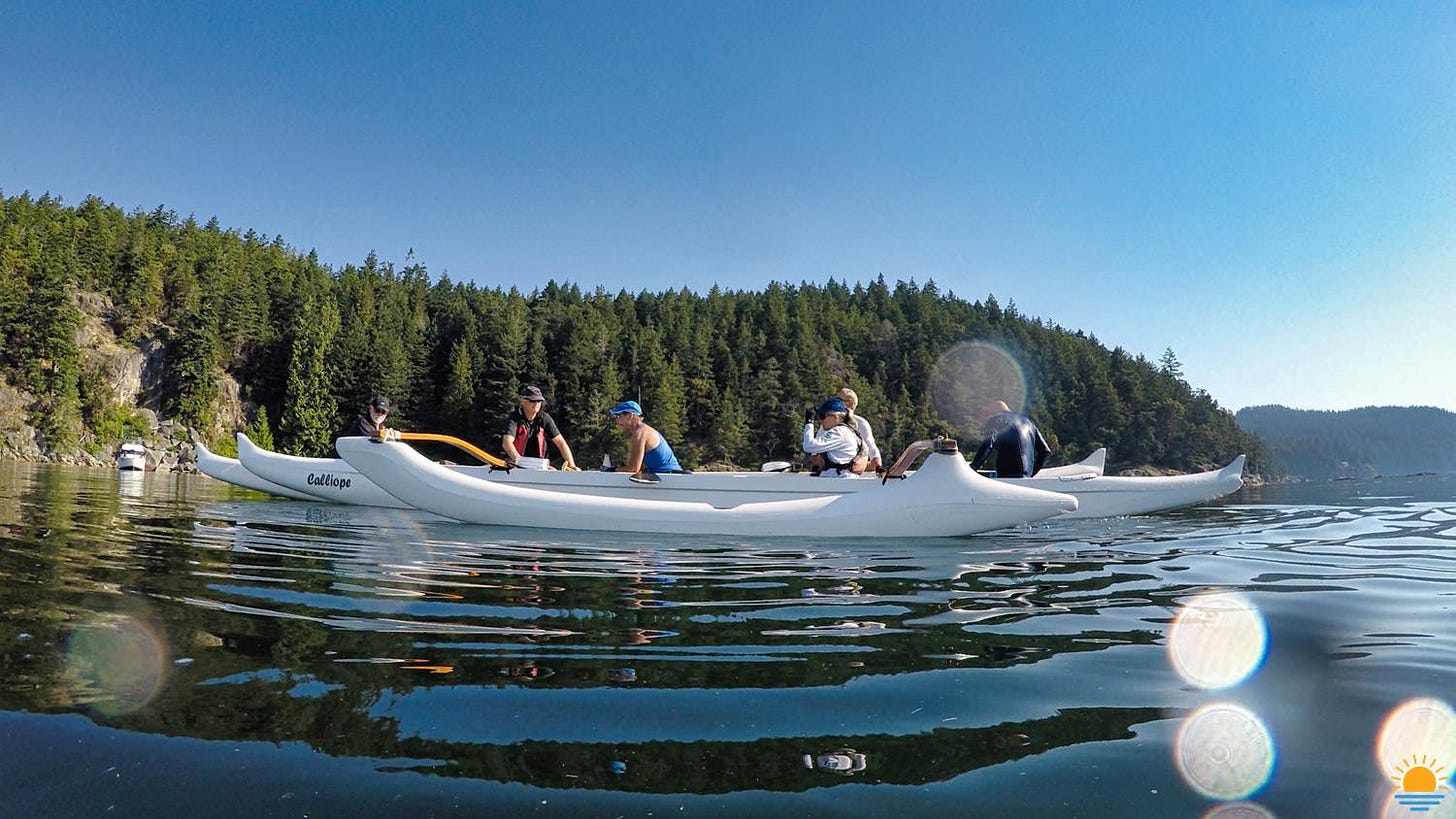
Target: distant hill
(1318,444)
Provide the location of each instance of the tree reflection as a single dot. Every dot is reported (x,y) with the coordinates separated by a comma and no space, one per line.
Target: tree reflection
(287,622)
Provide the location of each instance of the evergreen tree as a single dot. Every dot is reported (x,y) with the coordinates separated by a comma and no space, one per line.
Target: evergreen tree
(195,367)
(260,431)
(659,383)
(310,416)
(51,356)
(14,298)
(728,431)
(459,400)
(1168,365)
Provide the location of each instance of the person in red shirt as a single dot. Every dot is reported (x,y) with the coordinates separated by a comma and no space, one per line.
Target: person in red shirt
(528,428)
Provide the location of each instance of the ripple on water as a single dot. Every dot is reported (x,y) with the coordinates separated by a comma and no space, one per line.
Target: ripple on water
(711,666)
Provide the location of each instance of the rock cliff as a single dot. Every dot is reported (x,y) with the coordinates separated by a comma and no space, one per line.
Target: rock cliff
(134,376)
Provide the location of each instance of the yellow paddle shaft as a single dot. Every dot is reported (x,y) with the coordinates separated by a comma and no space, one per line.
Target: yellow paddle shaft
(395,435)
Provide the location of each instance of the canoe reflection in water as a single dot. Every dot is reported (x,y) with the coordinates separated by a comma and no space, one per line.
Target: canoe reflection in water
(352,664)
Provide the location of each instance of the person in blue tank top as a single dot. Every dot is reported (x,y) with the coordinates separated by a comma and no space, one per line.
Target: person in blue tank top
(647,450)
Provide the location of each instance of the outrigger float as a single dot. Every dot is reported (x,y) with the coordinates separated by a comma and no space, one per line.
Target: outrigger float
(231,470)
(326,479)
(1105,496)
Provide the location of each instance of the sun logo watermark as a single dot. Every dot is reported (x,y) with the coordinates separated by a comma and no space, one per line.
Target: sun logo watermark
(1415,739)
(1420,782)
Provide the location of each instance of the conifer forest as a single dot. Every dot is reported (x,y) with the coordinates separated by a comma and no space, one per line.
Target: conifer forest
(725,375)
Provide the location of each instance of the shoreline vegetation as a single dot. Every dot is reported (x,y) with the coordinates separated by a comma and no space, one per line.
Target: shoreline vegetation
(144,325)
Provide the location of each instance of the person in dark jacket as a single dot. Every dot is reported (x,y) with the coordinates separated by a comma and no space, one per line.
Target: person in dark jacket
(371,421)
(528,428)
(1016,443)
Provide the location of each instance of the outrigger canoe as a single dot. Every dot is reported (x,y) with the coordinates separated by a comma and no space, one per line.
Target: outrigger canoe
(335,480)
(944,498)
(231,470)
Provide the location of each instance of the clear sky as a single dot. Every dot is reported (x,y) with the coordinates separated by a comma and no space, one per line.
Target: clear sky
(1269,189)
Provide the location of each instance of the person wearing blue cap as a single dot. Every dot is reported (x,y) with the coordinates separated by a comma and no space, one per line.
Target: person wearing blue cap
(647,450)
(836,450)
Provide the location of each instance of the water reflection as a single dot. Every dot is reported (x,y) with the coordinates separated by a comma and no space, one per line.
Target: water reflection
(623,663)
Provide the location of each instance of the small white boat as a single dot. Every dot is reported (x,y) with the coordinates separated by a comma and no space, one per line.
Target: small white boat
(1105,496)
(944,498)
(131,457)
(231,470)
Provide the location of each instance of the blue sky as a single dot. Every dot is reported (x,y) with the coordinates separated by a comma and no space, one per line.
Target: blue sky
(1267,188)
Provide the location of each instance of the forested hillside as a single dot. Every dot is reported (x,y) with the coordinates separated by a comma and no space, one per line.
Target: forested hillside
(724,374)
(1314,444)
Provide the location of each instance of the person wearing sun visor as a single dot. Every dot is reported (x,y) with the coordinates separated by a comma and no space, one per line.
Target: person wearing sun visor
(836,449)
(647,451)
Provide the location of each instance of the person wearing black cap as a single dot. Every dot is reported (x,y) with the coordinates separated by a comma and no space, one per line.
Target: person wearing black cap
(836,450)
(370,422)
(527,430)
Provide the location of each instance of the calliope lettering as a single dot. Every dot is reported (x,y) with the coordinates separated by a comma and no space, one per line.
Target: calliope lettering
(326,479)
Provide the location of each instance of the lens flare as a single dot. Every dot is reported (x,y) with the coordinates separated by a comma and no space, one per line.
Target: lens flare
(115,667)
(1224,751)
(1217,640)
(1419,729)
(970,375)
(1238,810)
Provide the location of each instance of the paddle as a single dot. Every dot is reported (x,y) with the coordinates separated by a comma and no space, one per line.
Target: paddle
(395,435)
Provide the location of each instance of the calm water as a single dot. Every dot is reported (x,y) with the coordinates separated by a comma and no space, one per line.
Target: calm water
(174,646)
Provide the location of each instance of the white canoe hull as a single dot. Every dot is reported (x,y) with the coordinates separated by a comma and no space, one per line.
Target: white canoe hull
(1104,496)
(944,498)
(327,479)
(337,481)
(231,470)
